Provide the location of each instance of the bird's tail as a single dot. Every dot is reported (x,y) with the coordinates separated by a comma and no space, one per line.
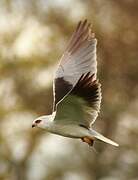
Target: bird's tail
(102,138)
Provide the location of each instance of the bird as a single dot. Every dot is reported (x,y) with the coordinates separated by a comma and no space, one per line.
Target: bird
(76,90)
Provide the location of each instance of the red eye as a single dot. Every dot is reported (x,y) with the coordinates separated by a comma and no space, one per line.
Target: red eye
(37,121)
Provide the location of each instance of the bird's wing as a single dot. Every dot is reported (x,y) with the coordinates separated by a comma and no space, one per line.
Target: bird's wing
(79,58)
(82,105)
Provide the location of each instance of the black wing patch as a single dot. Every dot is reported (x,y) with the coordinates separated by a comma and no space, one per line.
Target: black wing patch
(89,89)
(62,88)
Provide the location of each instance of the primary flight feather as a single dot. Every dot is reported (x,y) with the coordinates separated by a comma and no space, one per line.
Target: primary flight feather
(77,92)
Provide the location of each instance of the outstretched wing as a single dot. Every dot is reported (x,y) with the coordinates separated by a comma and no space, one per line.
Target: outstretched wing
(82,105)
(79,58)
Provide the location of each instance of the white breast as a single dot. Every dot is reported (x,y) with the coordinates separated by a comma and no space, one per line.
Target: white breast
(73,131)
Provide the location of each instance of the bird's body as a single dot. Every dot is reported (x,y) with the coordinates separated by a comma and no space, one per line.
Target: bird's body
(68,130)
(77,92)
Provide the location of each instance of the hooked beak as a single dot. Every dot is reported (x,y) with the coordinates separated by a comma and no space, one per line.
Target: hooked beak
(33,125)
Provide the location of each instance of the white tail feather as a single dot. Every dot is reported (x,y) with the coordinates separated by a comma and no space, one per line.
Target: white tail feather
(102,138)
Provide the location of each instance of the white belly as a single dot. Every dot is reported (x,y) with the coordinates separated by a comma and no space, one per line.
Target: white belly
(73,131)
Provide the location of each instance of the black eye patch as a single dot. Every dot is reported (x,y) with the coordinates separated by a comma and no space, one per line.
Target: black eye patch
(38,121)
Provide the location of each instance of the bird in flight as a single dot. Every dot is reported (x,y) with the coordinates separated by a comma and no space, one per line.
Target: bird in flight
(76,90)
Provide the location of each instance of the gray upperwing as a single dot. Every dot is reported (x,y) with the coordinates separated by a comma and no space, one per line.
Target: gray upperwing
(82,105)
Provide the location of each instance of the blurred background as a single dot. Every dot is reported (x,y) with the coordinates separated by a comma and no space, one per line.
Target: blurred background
(33,35)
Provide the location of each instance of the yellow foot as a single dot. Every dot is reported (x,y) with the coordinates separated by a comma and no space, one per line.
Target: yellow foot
(88,140)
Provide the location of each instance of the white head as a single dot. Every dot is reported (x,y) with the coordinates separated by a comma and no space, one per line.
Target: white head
(44,121)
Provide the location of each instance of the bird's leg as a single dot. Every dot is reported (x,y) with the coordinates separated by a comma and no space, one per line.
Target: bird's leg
(88,140)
